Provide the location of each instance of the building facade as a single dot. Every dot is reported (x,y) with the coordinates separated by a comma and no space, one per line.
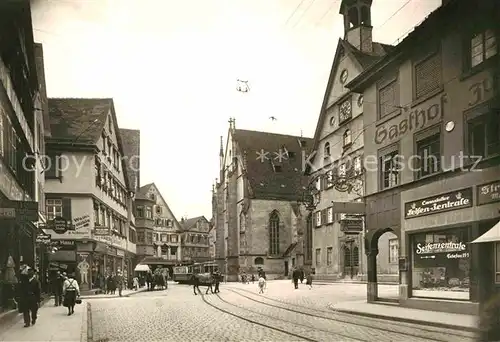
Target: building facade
(87,190)
(259,219)
(166,231)
(338,152)
(19,90)
(212,241)
(195,239)
(436,145)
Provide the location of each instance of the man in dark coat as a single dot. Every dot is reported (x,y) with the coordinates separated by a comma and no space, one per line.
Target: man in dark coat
(296,276)
(57,285)
(29,296)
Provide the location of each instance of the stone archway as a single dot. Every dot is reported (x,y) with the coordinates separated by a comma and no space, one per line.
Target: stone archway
(372,250)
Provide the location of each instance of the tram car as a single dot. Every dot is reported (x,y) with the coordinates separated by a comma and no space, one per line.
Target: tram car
(183,274)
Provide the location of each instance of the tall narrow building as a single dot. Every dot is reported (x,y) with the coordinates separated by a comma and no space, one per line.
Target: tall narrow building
(338,154)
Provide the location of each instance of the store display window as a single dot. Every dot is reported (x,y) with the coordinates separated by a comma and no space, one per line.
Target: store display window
(441,264)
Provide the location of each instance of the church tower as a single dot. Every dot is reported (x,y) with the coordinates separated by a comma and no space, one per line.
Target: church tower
(357,24)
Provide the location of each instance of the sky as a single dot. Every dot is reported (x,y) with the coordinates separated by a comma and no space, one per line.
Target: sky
(172,66)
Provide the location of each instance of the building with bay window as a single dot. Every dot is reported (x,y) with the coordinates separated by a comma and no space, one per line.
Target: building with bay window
(87,190)
(195,239)
(337,238)
(436,143)
(166,232)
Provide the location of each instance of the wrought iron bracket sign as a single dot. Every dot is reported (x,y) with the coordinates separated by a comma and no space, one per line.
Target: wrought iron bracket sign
(454,200)
(60,225)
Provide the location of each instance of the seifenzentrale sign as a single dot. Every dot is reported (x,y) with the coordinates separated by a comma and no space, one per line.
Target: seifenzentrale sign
(437,204)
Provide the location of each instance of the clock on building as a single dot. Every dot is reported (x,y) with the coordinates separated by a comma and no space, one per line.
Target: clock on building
(345,111)
(343,76)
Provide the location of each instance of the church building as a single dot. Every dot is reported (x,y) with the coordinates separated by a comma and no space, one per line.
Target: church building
(257,210)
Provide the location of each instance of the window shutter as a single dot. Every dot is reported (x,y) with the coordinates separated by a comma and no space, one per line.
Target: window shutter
(323,217)
(66,209)
(428,75)
(314,219)
(50,169)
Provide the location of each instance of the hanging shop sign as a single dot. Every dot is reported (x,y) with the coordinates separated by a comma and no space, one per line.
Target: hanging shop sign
(437,204)
(488,193)
(60,225)
(43,238)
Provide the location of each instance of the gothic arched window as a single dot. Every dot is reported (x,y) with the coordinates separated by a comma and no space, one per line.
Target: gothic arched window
(274,234)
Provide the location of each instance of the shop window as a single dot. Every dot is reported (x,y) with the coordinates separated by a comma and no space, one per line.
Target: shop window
(429,154)
(318,256)
(482,135)
(393,251)
(441,264)
(329,255)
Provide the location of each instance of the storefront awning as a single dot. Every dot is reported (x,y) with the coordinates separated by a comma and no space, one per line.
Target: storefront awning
(142,268)
(492,235)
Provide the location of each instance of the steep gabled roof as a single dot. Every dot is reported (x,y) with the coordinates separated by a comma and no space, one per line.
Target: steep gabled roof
(142,194)
(362,60)
(190,223)
(81,119)
(131,139)
(265,183)
(75,121)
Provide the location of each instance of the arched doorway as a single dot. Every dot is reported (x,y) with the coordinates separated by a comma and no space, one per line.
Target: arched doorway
(382,250)
(351,259)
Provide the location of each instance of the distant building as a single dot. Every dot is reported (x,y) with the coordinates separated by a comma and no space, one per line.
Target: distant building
(195,239)
(259,221)
(87,191)
(167,249)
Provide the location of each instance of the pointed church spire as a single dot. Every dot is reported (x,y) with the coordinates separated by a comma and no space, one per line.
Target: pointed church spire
(221,150)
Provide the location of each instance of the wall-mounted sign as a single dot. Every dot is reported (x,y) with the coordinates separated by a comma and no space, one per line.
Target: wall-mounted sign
(43,238)
(26,210)
(112,250)
(440,247)
(488,193)
(412,121)
(351,226)
(102,231)
(437,204)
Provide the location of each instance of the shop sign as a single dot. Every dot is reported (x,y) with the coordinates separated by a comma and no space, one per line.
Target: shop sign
(60,225)
(63,243)
(440,247)
(353,226)
(488,193)
(43,238)
(102,231)
(437,204)
(120,253)
(112,250)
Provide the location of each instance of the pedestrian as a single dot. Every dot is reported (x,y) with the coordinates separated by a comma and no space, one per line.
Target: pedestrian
(295,278)
(262,284)
(71,291)
(217,280)
(309,280)
(29,295)
(118,279)
(57,286)
(301,276)
(253,278)
(136,283)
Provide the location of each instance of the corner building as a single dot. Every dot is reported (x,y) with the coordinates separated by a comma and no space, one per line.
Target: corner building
(259,220)
(87,190)
(443,112)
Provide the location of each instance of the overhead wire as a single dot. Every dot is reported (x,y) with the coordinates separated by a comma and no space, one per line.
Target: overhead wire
(303,13)
(294,11)
(326,13)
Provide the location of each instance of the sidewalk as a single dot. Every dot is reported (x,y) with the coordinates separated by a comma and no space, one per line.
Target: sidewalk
(407,315)
(53,324)
(125,293)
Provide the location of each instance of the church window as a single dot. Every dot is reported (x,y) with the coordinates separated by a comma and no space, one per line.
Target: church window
(274,243)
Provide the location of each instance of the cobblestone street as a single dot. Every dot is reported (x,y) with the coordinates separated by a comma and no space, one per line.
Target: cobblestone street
(239,313)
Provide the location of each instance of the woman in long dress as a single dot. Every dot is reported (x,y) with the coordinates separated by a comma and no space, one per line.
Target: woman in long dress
(71,291)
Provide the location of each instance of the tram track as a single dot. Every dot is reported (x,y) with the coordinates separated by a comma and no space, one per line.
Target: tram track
(305,338)
(303,310)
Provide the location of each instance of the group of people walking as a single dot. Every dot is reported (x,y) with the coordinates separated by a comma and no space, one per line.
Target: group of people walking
(299,274)
(66,291)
